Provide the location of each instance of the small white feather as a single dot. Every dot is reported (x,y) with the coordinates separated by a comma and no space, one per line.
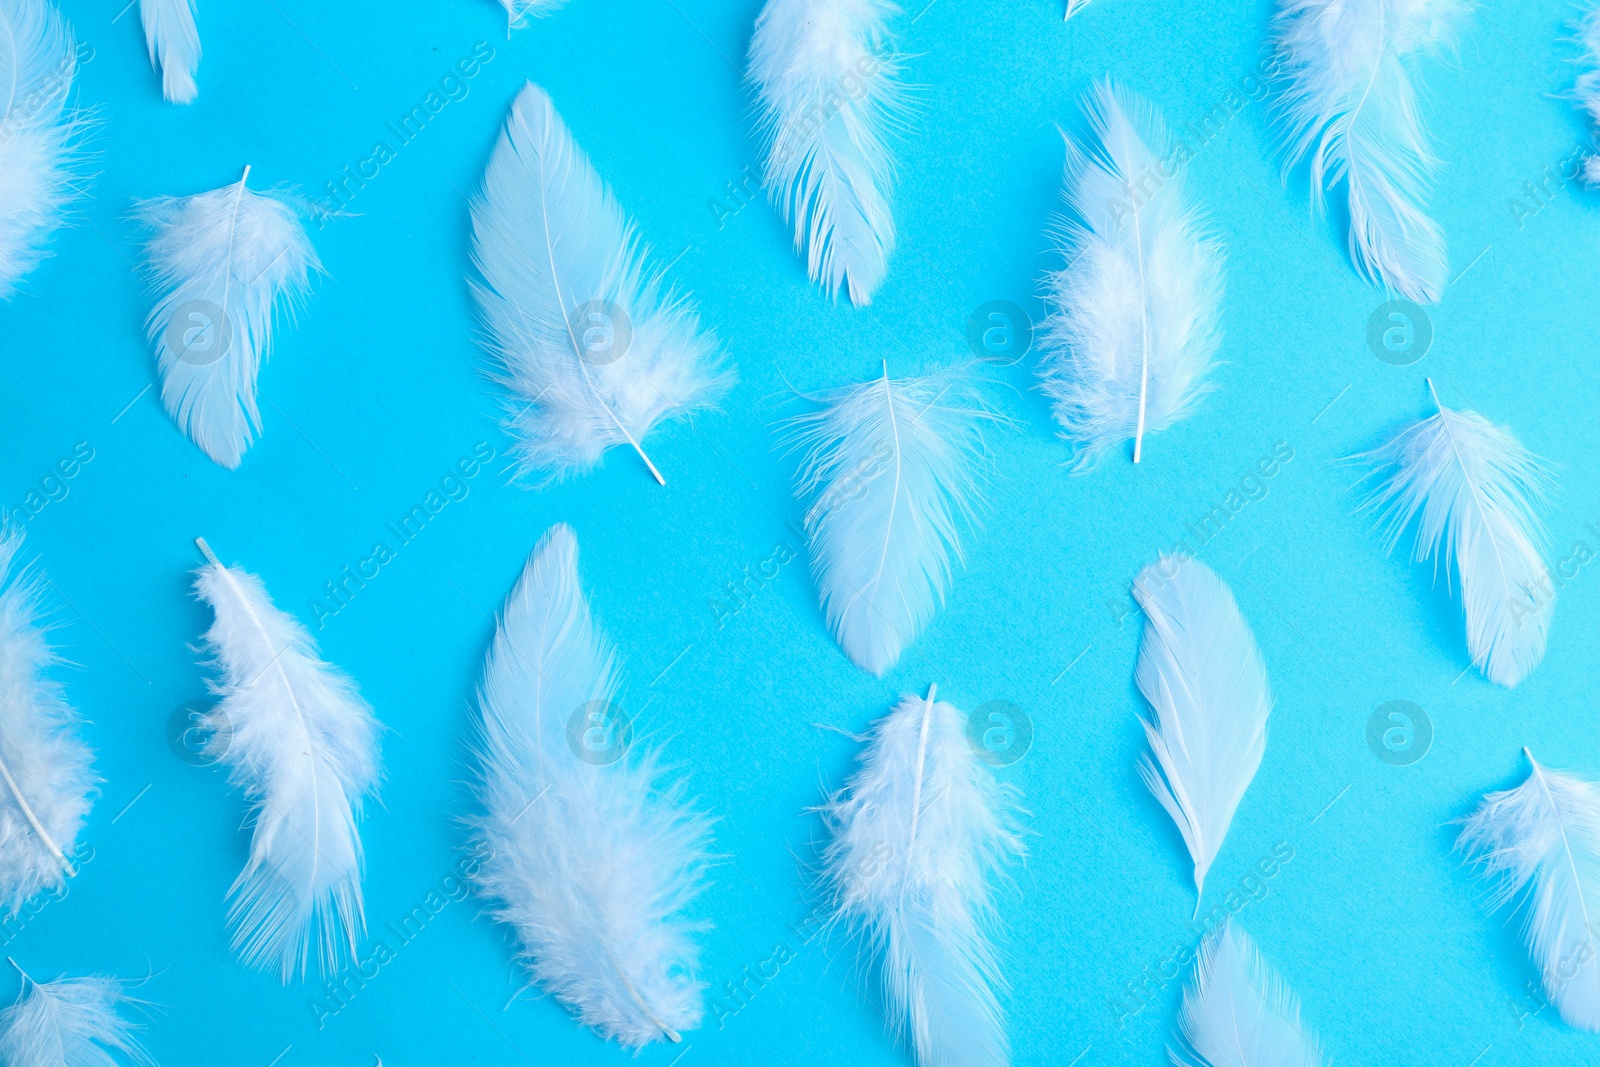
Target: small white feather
(1539,845)
(518,12)
(1587,89)
(827,86)
(1075,6)
(45,778)
(590,861)
(40,133)
(1201,671)
(70,1022)
(889,469)
(1238,1012)
(302,744)
(1133,316)
(174,44)
(1472,487)
(221,262)
(917,837)
(1347,104)
(593,352)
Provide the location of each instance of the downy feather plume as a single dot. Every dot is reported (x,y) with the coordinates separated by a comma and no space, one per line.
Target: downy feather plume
(1202,674)
(174,43)
(1237,1011)
(888,468)
(518,12)
(1347,104)
(1539,846)
(1133,315)
(39,133)
(589,859)
(1472,487)
(918,835)
(591,349)
(45,779)
(221,262)
(302,744)
(827,85)
(1587,90)
(70,1022)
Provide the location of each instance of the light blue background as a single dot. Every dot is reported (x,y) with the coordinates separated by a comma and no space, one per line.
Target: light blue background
(378,390)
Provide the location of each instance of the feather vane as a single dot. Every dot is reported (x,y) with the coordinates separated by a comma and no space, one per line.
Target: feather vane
(70,1022)
(174,44)
(1238,1012)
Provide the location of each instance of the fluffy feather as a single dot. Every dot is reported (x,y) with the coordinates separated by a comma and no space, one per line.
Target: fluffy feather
(221,263)
(827,86)
(45,780)
(1539,845)
(1587,90)
(888,467)
(71,1022)
(1133,316)
(39,133)
(174,43)
(302,744)
(1348,105)
(518,12)
(918,834)
(1472,487)
(1237,1011)
(591,864)
(1201,671)
(592,351)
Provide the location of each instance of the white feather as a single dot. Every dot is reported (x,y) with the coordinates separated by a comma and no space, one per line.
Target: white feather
(1238,1012)
(1133,316)
(71,1022)
(888,467)
(593,352)
(918,835)
(1587,90)
(1348,105)
(591,862)
(827,86)
(1201,671)
(518,12)
(1471,487)
(1539,845)
(302,744)
(221,262)
(39,133)
(1075,6)
(45,778)
(174,43)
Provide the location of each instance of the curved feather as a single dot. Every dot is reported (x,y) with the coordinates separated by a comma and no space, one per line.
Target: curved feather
(1133,316)
(221,263)
(39,133)
(1237,1011)
(592,351)
(174,44)
(1201,671)
(590,862)
(918,834)
(827,86)
(71,1022)
(1539,845)
(1075,6)
(889,469)
(1471,488)
(302,744)
(1347,104)
(45,778)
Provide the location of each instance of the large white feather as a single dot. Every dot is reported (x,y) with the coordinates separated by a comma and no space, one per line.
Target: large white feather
(70,1022)
(592,350)
(302,744)
(1539,844)
(1133,315)
(221,262)
(1587,89)
(39,133)
(1201,671)
(1348,105)
(888,468)
(918,835)
(45,779)
(174,43)
(591,863)
(1472,487)
(1238,1012)
(827,86)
